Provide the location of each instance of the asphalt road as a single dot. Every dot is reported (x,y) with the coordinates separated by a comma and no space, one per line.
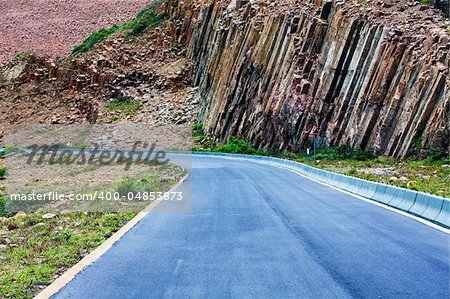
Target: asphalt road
(256,231)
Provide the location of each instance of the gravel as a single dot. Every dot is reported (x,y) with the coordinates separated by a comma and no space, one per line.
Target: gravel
(53,27)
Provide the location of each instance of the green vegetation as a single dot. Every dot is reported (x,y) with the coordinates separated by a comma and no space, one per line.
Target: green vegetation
(82,145)
(197,130)
(233,146)
(237,146)
(95,38)
(430,175)
(426,2)
(127,186)
(436,154)
(3,211)
(125,105)
(11,149)
(344,152)
(35,249)
(147,18)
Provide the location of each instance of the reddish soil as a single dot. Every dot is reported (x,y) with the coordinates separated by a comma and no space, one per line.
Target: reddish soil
(53,27)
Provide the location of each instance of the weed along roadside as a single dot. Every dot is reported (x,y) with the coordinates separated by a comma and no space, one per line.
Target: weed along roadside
(311,137)
(37,247)
(430,174)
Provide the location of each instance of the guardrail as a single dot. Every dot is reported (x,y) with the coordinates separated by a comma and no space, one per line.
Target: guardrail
(432,208)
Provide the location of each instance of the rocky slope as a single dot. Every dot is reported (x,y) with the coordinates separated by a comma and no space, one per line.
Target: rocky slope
(374,74)
(149,69)
(52,27)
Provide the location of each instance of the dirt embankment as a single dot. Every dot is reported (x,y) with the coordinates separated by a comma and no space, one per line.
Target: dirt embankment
(53,27)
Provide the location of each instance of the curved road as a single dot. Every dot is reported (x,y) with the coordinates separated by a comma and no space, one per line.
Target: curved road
(257,231)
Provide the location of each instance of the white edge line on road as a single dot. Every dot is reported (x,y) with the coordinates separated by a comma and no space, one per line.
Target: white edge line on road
(70,274)
(371,201)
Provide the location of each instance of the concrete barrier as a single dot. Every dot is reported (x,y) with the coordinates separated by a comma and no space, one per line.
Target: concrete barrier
(382,194)
(444,216)
(409,198)
(397,195)
(368,189)
(402,199)
(429,207)
(420,205)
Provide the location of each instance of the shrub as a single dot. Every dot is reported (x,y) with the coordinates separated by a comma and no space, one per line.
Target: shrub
(2,172)
(3,212)
(363,155)
(125,105)
(147,18)
(352,171)
(64,235)
(197,130)
(126,187)
(426,2)
(238,146)
(344,152)
(436,153)
(414,150)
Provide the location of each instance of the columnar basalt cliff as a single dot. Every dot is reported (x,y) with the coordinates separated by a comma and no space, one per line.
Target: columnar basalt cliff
(373,74)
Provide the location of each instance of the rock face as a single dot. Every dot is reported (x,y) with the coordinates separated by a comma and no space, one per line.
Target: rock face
(443,5)
(149,70)
(373,74)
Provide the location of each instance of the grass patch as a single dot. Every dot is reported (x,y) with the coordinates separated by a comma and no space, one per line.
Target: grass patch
(234,145)
(3,211)
(430,175)
(125,105)
(143,185)
(94,38)
(343,152)
(237,146)
(36,250)
(426,2)
(9,149)
(81,146)
(147,18)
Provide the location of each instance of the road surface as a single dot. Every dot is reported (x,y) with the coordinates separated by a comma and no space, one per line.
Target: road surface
(257,231)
